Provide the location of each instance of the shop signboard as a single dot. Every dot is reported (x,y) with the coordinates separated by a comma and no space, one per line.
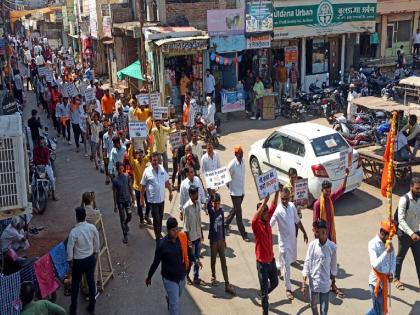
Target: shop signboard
(232,101)
(259,16)
(227,44)
(107,26)
(226,22)
(185,46)
(322,17)
(93,19)
(257,42)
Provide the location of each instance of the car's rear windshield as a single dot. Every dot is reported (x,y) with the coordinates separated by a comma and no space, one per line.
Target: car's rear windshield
(329,144)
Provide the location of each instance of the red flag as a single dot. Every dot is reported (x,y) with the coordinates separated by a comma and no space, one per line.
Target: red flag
(387,158)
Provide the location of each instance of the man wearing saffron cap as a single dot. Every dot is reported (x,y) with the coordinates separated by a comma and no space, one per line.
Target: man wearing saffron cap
(236,187)
(383,262)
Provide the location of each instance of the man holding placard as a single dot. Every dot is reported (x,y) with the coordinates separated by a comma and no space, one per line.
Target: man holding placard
(210,161)
(286,217)
(160,134)
(237,191)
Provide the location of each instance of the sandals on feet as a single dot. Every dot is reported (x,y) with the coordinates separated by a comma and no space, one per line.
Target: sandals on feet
(337,291)
(289,295)
(399,285)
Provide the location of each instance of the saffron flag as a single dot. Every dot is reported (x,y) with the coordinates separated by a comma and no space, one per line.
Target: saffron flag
(388,158)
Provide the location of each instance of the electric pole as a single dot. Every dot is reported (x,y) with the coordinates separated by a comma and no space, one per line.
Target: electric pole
(142,50)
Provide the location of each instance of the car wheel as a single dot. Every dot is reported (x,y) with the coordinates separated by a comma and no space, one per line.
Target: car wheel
(255,166)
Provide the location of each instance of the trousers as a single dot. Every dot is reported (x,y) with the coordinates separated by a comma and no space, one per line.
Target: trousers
(236,211)
(267,276)
(323,299)
(124,210)
(218,247)
(173,291)
(139,208)
(377,307)
(404,244)
(157,214)
(83,266)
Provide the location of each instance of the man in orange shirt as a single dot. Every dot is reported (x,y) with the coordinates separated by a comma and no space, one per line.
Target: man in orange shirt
(108,104)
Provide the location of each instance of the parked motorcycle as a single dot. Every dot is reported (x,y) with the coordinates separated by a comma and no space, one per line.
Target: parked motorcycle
(207,132)
(41,188)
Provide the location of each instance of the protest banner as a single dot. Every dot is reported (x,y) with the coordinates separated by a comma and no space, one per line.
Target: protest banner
(71,89)
(155,100)
(143,99)
(69,62)
(90,95)
(137,129)
(342,162)
(301,192)
(217,178)
(41,71)
(160,112)
(48,75)
(267,183)
(175,139)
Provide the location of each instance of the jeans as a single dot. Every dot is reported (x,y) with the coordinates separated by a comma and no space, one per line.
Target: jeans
(259,103)
(139,208)
(416,51)
(76,133)
(402,155)
(164,156)
(404,243)
(55,120)
(173,291)
(236,210)
(80,267)
(218,247)
(323,300)
(267,275)
(377,308)
(293,88)
(124,211)
(195,251)
(282,90)
(157,214)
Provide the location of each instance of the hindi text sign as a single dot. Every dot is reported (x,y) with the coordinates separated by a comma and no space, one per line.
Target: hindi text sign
(175,139)
(301,192)
(217,178)
(137,129)
(267,183)
(160,112)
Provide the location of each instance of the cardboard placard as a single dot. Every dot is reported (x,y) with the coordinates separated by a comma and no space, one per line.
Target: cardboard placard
(267,183)
(217,178)
(160,112)
(90,95)
(143,99)
(137,143)
(301,192)
(41,71)
(69,62)
(49,75)
(137,129)
(155,100)
(175,139)
(71,89)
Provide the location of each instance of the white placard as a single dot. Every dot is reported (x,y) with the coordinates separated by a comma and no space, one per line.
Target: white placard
(301,192)
(160,112)
(267,183)
(175,139)
(137,129)
(155,100)
(71,89)
(41,71)
(70,62)
(342,161)
(90,95)
(143,99)
(49,75)
(217,178)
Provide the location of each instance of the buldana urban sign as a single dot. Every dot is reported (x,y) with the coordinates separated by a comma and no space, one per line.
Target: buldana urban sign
(291,18)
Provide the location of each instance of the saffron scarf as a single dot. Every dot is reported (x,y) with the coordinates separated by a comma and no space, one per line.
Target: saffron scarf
(186,113)
(382,278)
(323,216)
(184,248)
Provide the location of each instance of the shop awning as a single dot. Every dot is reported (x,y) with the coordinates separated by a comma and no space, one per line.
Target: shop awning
(132,71)
(161,42)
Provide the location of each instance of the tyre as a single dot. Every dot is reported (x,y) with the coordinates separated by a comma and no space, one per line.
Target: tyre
(42,199)
(215,141)
(255,166)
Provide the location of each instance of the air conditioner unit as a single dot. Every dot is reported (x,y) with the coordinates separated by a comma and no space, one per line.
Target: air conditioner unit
(14,171)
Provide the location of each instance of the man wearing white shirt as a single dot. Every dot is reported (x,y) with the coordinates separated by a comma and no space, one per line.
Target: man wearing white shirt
(132,110)
(416,43)
(286,218)
(210,160)
(154,181)
(236,187)
(39,60)
(196,146)
(82,247)
(210,83)
(320,269)
(185,185)
(383,262)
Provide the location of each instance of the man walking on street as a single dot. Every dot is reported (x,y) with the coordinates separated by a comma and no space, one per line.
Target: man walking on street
(160,134)
(122,198)
(217,239)
(236,186)
(192,227)
(82,250)
(416,43)
(190,180)
(116,155)
(108,105)
(172,251)
(286,218)
(382,260)
(320,269)
(266,264)
(408,229)
(153,182)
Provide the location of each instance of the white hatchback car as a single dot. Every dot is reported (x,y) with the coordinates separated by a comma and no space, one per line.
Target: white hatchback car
(313,150)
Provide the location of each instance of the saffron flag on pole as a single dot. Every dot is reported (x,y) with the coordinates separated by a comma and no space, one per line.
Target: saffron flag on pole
(388,174)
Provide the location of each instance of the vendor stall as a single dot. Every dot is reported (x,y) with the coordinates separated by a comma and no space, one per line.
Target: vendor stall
(372,103)
(410,86)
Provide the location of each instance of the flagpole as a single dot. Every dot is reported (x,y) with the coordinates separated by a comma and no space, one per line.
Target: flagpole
(390,171)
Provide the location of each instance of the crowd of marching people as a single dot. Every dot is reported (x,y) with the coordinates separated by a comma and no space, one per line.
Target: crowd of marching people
(138,174)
